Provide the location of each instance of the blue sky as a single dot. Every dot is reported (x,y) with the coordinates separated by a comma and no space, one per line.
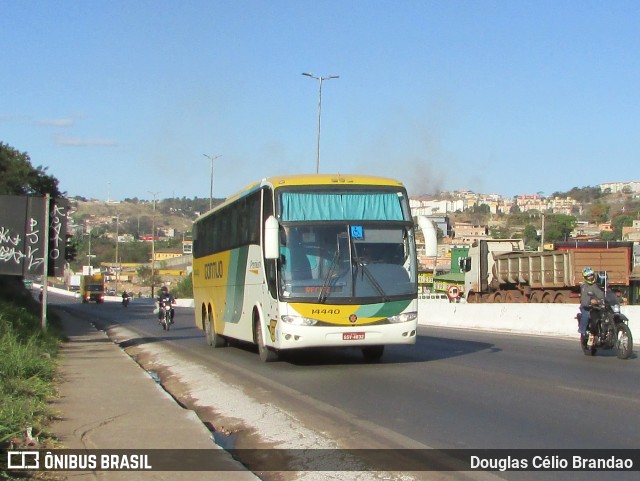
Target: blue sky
(122,98)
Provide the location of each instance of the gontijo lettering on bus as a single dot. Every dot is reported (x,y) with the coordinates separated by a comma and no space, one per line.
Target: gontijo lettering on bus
(213,270)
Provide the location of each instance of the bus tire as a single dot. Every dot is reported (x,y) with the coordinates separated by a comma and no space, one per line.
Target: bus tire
(266,354)
(213,339)
(372,353)
(536,297)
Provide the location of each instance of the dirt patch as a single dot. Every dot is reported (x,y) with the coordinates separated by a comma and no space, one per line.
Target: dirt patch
(227,432)
(242,417)
(237,434)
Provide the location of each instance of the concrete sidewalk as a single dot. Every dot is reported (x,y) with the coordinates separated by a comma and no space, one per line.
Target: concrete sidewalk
(108,402)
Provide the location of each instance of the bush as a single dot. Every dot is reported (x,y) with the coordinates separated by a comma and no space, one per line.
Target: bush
(27,366)
(184,289)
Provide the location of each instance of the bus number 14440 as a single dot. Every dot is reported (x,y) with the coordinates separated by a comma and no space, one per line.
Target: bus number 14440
(326,311)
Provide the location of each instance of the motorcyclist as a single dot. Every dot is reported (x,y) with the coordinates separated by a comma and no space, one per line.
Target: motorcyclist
(590,293)
(125,297)
(165,298)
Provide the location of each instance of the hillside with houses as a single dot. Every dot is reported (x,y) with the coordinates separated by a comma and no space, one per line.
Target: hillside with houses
(125,235)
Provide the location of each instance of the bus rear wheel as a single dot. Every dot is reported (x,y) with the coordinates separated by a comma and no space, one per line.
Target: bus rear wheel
(213,339)
(372,353)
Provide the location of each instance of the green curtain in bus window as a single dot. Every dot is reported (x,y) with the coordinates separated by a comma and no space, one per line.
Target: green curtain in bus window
(365,206)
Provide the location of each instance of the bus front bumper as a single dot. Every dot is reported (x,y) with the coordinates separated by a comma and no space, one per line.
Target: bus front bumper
(290,336)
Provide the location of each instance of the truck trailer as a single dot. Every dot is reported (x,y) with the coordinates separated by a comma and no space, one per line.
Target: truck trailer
(500,270)
(73,282)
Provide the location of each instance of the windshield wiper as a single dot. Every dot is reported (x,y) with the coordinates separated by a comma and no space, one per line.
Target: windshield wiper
(322,297)
(374,282)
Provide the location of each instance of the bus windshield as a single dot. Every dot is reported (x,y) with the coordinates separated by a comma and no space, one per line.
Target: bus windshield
(347,262)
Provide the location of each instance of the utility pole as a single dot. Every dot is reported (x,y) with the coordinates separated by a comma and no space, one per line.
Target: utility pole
(45,265)
(153,244)
(117,243)
(211,158)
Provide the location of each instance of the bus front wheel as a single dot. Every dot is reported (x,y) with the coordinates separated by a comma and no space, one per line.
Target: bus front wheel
(266,354)
(372,353)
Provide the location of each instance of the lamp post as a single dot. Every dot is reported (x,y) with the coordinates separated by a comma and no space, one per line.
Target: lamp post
(117,243)
(89,256)
(211,158)
(153,243)
(320,80)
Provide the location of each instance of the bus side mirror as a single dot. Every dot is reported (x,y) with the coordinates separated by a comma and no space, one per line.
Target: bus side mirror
(271,238)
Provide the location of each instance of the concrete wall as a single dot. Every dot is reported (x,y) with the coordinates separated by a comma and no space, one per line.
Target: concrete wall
(544,319)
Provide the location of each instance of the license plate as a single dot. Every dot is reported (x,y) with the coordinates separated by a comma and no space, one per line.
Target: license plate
(352,336)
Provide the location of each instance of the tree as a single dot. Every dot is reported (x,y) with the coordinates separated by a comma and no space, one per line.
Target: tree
(19,177)
(184,288)
(558,227)
(618,223)
(530,236)
(498,232)
(599,212)
(581,194)
(481,209)
(146,279)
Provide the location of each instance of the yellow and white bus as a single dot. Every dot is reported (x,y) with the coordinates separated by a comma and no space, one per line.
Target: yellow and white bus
(308,261)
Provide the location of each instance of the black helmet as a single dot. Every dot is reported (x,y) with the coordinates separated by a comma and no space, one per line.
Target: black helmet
(164,289)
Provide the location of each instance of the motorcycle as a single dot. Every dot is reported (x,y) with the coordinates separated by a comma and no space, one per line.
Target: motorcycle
(125,301)
(165,315)
(608,329)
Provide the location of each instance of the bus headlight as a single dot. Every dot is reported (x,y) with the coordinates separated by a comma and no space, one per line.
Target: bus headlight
(299,320)
(404,317)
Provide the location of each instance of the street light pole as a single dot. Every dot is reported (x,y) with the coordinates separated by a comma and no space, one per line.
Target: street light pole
(320,80)
(117,243)
(153,242)
(211,158)
(89,256)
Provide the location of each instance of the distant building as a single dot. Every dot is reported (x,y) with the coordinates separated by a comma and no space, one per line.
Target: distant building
(585,230)
(531,202)
(467,234)
(624,187)
(632,233)
(430,207)
(164,254)
(567,206)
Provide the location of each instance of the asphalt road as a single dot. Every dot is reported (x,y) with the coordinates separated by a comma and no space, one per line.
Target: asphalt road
(453,389)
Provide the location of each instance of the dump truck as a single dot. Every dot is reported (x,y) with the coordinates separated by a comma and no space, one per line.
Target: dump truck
(92,288)
(500,270)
